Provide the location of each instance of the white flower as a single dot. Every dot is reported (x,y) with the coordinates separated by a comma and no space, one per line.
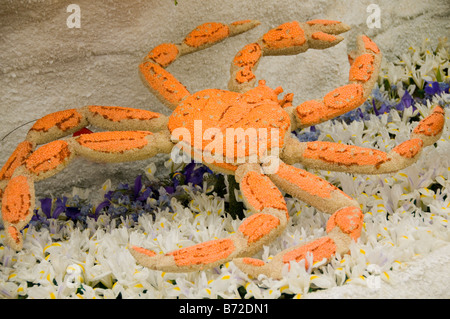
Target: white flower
(178,164)
(106,187)
(150,171)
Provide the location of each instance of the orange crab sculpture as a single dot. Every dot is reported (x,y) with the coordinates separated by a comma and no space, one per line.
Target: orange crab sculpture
(139,134)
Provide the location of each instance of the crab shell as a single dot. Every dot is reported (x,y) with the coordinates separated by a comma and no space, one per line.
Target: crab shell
(224,128)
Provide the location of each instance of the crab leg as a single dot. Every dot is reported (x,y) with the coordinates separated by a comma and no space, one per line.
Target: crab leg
(121,146)
(27,165)
(17,159)
(268,221)
(343,227)
(115,118)
(161,82)
(362,77)
(286,39)
(354,159)
(17,209)
(62,123)
(18,198)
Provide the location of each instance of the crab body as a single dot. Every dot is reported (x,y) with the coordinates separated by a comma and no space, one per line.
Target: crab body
(217,120)
(260,126)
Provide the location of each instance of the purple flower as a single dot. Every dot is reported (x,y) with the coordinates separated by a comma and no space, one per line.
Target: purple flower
(433,88)
(60,207)
(360,113)
(46,206)
(405,102)
(196,177)
(189,169)
(143,197)
(109,195)
(170,189)
(445,87)
(73,212)
(100,206)
(306,136)
(137,186)
(384,108)
(194,172)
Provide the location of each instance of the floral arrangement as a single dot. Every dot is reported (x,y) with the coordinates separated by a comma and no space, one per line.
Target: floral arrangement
(77,248)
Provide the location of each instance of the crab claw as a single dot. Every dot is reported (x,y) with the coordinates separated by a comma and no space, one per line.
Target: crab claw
(323,33)
(143,256)
(328,26)
(319,250)
(253,266)
(201,256)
